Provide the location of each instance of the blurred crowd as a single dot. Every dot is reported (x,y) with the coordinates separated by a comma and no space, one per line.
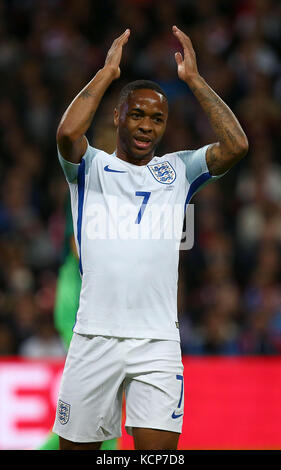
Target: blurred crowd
(229,282)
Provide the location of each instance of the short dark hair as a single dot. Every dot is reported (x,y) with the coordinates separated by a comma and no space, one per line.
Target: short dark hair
(139,85)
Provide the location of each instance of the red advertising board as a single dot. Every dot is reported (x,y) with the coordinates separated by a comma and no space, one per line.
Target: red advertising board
(28,395)
(229,403)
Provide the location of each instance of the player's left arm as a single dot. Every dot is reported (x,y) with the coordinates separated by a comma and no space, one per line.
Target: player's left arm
(232,142)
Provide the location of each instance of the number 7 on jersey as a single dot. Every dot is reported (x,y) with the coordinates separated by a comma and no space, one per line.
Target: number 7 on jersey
(146,196)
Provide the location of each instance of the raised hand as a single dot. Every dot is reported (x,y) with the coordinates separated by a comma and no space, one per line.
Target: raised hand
(187,65)
(232,143)
(114,54)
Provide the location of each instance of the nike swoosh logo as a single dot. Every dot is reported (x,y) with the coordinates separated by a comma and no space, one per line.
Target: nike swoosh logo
(174,416)
(106,168)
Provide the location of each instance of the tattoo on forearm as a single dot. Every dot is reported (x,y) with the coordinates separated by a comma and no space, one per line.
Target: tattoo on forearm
(225,125)
(85,94)
(222,119)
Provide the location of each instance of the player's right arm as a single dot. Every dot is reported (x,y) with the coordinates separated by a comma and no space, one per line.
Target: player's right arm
(78,117)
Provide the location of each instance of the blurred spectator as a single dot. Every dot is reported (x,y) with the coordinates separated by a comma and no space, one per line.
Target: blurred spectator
(45,342)
(23,313)
(255,339)
(7,339)
(217,335)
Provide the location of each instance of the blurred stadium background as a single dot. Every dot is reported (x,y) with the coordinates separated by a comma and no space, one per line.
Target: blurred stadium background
(229,286)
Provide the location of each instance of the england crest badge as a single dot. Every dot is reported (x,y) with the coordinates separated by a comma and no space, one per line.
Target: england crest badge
(63,412)
(163,172)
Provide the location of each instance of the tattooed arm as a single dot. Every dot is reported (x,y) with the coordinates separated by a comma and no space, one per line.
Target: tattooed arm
(77,118)
(232,143)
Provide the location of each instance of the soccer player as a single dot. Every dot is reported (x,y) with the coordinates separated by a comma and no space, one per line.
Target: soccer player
(126,335)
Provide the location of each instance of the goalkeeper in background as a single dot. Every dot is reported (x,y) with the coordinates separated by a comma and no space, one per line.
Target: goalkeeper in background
(66,306)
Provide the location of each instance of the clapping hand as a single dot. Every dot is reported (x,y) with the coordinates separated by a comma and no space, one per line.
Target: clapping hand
(114,54)
(187,65)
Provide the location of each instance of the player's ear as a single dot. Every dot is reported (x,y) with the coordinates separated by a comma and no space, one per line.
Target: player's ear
(116,117)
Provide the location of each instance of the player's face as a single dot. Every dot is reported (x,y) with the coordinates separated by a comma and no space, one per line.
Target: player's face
(141,122)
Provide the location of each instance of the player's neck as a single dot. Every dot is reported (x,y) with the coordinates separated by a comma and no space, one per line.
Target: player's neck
(126,157)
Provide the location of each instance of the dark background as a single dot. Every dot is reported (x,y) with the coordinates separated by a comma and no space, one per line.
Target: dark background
(229,286)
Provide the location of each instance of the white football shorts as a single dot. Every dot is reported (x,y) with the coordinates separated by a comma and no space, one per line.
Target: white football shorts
(99,369)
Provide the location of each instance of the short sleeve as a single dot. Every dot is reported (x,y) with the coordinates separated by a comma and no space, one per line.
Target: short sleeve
(197,172)
(71,169)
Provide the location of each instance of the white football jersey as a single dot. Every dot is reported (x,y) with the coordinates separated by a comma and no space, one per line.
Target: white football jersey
(128,222)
